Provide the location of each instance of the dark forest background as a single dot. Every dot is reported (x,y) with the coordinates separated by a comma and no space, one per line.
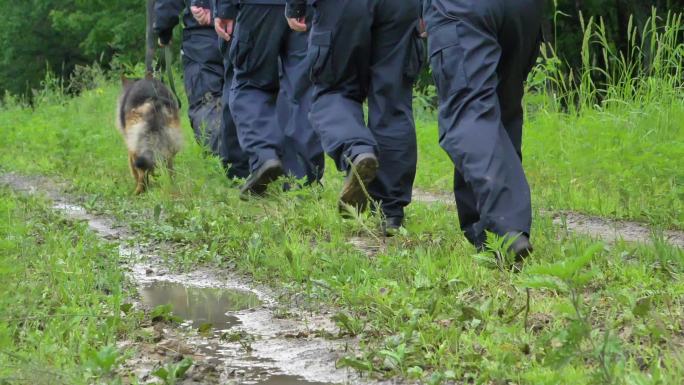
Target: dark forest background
(59,36)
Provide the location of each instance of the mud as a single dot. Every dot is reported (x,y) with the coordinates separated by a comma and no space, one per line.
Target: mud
(248,341)
(432,197)
(204,307)
(369,246)
(610,231)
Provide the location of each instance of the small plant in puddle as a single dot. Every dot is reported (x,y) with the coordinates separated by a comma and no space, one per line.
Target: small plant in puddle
(360,364)
(205,329)
(173,372)
(164,313)
(241,337)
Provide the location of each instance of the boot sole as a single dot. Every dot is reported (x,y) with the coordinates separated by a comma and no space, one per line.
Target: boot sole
(267,175)
(355,185)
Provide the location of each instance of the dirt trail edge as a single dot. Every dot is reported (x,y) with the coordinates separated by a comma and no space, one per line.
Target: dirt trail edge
(259,346)
(608,230)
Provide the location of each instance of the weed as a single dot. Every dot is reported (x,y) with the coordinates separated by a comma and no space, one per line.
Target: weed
(164,313)
(172,372)
(60,298)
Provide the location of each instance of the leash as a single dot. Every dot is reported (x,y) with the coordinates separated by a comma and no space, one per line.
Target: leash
(149,41)
(168,60)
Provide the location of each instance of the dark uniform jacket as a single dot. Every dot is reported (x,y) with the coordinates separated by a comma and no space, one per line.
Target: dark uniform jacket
(295,8)
(167,16)
(228,9)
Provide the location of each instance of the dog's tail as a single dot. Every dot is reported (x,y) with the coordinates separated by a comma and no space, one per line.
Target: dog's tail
(145,161)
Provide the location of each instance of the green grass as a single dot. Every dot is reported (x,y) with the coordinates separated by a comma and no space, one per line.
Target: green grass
(59,299)
(623,163)
(604,139)
(424,306)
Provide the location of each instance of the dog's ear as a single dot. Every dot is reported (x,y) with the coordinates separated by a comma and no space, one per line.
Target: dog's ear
(126,82)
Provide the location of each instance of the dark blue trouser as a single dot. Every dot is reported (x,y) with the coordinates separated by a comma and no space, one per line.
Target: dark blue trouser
(481,53)
(269,61)
(212,123)
(368,49)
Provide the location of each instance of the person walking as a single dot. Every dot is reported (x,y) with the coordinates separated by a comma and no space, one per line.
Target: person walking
(269,61)
(366,50)
(204,71)
(481,53)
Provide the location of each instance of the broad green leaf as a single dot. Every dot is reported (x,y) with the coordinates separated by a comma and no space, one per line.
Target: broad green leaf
(157,212)
(355,363)
(182,367)
(558,270)
(469,313)
(126,308)
(586,258)
(543,282)
(161,373)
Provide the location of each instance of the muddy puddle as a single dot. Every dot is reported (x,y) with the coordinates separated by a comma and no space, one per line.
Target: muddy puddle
(205,307)
(249,341)
(219,332)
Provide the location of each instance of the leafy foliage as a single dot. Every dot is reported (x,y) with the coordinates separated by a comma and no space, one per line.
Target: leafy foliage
(172,372)
(58,35)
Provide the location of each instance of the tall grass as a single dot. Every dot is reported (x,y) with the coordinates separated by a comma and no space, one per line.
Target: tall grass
(649,71)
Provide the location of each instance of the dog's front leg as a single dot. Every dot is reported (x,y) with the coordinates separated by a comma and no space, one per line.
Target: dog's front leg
(171,169)
(142,181)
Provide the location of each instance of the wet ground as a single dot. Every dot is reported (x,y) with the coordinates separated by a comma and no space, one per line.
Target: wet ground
(212,313)
(233,329)
(236,329)
(608,230)
(204,307)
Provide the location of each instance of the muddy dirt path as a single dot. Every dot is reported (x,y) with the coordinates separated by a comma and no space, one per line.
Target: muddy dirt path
(607,230)
(252,339)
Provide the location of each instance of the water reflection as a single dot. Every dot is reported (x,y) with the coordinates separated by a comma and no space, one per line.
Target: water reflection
(200,305)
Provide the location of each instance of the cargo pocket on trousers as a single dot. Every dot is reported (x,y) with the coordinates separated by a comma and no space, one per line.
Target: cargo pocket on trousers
(320,51)
(239,51)
(415,58)
(447,58)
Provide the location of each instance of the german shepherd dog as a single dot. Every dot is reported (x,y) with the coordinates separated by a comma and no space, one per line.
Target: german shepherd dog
(148,118)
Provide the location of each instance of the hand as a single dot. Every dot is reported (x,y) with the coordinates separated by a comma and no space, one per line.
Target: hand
(297,23)
(202,15)
(224,28)
(422,29)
